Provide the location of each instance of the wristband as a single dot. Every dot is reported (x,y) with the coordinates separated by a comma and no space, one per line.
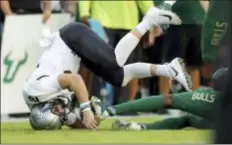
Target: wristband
(83,105)
(86,109)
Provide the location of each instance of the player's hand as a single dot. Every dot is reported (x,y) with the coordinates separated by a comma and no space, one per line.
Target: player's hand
(89,120)
(46,15)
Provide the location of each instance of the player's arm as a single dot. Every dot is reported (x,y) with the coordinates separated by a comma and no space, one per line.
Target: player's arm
(204,4)
(5,6)
(72,7)
(77,85)
(46,10)
(214,29)
(84,9)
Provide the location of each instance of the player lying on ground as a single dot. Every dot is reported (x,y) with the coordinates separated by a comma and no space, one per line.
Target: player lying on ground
(58,66)
(200,103)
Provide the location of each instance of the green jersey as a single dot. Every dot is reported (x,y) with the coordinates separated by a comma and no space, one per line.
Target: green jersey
(157,2)
(189,11)
(215,28)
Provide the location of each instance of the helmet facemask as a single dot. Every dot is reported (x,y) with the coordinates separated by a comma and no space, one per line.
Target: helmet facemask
(60,106)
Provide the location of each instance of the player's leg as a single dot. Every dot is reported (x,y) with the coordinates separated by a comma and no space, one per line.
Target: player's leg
(174,70)
(173,123)
(153,18)
(123,76)
(166,124)
(96,50)
(199,102)
(169,123)
(198,122)
(172,47)
(99,57)
(193,55)
(89,46)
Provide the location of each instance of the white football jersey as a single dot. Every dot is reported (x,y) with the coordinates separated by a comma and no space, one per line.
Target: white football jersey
(58,58)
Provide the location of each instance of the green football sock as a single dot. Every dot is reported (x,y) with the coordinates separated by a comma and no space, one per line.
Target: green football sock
(188,120)
(141,105)
(170,123)
(198,122)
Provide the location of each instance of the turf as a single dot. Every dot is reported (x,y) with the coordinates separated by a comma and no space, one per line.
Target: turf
(22,133)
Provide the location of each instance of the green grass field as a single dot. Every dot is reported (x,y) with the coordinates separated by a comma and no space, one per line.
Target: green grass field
(22,133)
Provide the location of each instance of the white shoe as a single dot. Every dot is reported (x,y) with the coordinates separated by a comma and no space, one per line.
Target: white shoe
(157,16)
(180,74)
(124,125)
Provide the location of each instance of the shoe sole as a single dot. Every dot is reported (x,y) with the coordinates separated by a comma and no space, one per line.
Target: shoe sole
(117,125)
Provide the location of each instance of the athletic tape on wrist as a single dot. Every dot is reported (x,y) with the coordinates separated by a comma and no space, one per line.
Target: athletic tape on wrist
(85,106)
(86,109)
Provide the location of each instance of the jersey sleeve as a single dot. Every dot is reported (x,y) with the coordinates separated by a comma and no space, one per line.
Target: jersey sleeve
(214,29)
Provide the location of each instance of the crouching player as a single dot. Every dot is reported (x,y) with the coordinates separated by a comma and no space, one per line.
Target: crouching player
(198,106)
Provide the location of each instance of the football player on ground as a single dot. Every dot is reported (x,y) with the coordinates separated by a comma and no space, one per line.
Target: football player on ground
(199,103)
(58,66)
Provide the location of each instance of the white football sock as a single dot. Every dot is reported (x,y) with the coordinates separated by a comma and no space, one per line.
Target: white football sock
(144,92)
(124,48)
(136,71)
(170,2)
(144,70)
(163,70)
(129,42)
(144,26)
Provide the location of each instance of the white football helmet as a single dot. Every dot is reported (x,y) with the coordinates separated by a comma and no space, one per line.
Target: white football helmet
(51,115)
